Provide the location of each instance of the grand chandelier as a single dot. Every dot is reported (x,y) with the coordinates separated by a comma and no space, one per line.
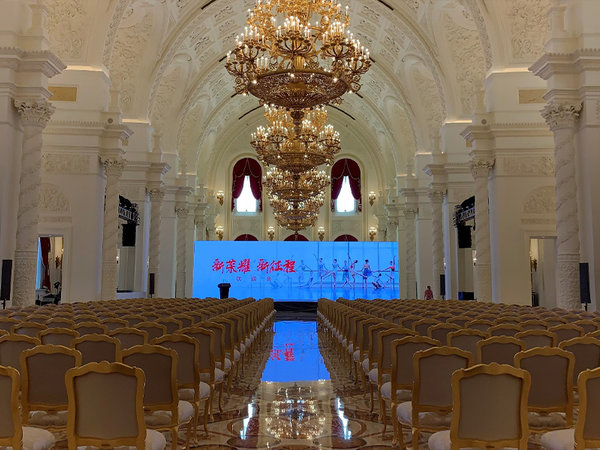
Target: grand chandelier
(279,145)
(297,54)
(297,215)
(295,187)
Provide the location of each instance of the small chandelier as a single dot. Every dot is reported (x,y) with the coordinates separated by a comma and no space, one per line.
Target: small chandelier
(297,54)
(279,145)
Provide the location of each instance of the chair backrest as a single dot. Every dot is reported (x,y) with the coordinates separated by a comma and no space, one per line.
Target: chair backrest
(422,326)
(433,369)
(466,339)
(160,367)
(479,324)
(504,329)
(587,429)
(490,407)
(206,357)
(218,341)
(499,349)
(440,331)
(58,336)
(172,325)
(11,433)
(537,338)
(129,337)
(459,320)
(586,351)
(112,323)
(43,370)
(566,331)
(90,328)
(31,329)
(60,322)
(97,348)
(105,402)
(188,351)
(6,323)
(133,319)
(153,329)
(551,371)
(587,325)
(386,338)
(11,347)
(186,321)
(403,351)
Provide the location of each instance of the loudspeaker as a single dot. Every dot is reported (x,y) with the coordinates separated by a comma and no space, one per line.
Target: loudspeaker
(464,236)
(129,234)
(151,285)
(5,279)
(584,283)
(443,285)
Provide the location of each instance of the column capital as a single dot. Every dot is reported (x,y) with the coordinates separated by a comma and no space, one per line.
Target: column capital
(113,166)
(436,194)
(35,112)
(410,211)
(156,193)
(182,211)
(481,167)
(559,115)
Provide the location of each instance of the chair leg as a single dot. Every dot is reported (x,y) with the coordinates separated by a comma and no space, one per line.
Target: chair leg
(229,380)
(174,438)
(372,404)
(211,400)
(188,434)
(195,421)
(382,411)
(207,402)
(415,438)
(221,397)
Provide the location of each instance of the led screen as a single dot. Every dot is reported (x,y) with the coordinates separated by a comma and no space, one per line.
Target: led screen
(297,271)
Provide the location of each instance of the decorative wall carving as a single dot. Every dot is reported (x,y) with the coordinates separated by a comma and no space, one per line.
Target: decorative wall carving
(112,30)
(541,201)
(66,24)
(528,166)
(52,198)
(431,100)
(529,28)
(65,163)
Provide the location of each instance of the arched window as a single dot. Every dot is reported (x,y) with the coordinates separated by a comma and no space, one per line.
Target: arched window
(296,237)
(345,238)
(345,187)
(246,237)
(246,187)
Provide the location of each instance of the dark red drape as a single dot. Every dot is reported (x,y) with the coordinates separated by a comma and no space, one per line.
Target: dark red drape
(296,237)
(45,249)
(246,237)
(345,238)
(251,168)
(345,168)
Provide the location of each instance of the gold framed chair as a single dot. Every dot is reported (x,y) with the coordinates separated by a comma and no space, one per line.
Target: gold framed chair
(133,319)
(489,409)
(90,328)
(116,417)
(31,329)
(112,323)
(60,322)
(505,329)
(499,349)
(6,323)
(12,433)
(440,331)
(566,331)
(172,325)
(466,339)
(58,336)
(44,395)
(162,407)
(154,330)
(97,348)
(588,325)
(480,324)
(587,355)
(537,338)
(422,326)
(11,347)
(129,337)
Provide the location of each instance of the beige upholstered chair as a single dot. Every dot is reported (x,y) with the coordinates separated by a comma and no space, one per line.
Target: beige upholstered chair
(586,351)
(31,329)
(587,429)
(440,331)
(537,338)
(550,401)
(44,396)
(133,319)
(172,325)
(90,328)
(97,348)
(60,322)
(479,324)
(189,386)
(587,325)
(466,339)
(504,329)
(489,409)
(58,336)
(163,409)
(112,323)
(431,405)
(12,434)
(566,331)
(11,347)
(6,323)
(106,409)
(498,349)
(533,324)
(154,330)
(422,326)
(129,337)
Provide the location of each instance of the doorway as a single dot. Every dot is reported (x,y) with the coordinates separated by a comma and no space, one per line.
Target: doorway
(49,277)
(542,263)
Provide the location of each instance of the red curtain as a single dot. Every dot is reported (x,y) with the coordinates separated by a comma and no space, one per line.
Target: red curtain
(345,168)
(45,248)
(345,238)
(246,237)
(296,237)
(247,167)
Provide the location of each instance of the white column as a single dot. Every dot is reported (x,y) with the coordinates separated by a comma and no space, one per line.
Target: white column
(436,198)
(411,251)
(113,168)
(480,168)
(156,198)
(562,119)
(182,213)
(35,115)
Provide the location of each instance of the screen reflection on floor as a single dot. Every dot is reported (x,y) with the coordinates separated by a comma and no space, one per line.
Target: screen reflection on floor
(295,355)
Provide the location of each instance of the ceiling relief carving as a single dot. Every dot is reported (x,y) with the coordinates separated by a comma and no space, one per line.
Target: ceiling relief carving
(113,27)
(166,95)
(66,24)
(529,28)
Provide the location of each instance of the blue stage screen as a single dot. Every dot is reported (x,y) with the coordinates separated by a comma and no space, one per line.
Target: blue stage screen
(297,271)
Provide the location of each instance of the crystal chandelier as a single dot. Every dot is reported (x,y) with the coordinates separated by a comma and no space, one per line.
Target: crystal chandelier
(297,54)
(279,145)
(295,187)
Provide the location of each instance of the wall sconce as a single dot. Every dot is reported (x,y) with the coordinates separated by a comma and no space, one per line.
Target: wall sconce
(372,198)
(219,232)
(271,233)
(220,197)
(321,233)
(372,233)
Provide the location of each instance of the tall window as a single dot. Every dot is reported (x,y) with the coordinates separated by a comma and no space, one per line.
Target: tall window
(246,187)
(345,187)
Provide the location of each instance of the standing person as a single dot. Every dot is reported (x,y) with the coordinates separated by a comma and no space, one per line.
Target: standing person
(304,268)
(428,293)
(353,271)
(366,272)
(345,274)
(335,267)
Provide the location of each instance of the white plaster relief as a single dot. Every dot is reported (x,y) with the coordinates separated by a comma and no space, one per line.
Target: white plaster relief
(528,166)
(541,201)
(529,28)
(65,163)
(52,198)
(66,23)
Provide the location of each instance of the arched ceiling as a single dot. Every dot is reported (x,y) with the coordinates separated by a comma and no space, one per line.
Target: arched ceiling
(166,57)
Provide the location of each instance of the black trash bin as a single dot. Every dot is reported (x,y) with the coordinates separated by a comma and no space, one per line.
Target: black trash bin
(224,290)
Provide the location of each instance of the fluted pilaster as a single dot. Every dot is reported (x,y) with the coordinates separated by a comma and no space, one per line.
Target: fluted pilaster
(182,215)
(35,115)
(157,196)
(562,119)
(480,168)
(411,251)
(113,168)
(436,197)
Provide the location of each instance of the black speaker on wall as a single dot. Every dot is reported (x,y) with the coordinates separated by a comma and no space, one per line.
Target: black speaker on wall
(5,279)
(151,284)
(584,283)
(464,236)
(443,285)
(129,234)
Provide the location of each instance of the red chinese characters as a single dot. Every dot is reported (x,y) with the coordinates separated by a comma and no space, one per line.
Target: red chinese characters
(230,266)
(289,266)
(262,265)
(218,265)
(244,266)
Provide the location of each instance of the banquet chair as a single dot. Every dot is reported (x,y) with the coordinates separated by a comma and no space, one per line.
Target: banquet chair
(489,409)
(422,326)
(6,323)
(466,339)
(60,322)
(536,338)
(58,336)
(113,419)
(499,349)
(90,328)
(504,329)
(154,330)
(566,331)
(112,323)
(479,324)
(587,325)
(97,348)
(534,324)
(586,351)
(129,337)
(31,329)
(172,325)
(11,347)
(440,331)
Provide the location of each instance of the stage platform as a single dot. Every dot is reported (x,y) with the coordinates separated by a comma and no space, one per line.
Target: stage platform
(296,310)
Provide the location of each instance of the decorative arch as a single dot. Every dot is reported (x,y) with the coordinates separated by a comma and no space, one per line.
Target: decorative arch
(342,168)
(296,237)
(246,167)
(345,238)
(246,237)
